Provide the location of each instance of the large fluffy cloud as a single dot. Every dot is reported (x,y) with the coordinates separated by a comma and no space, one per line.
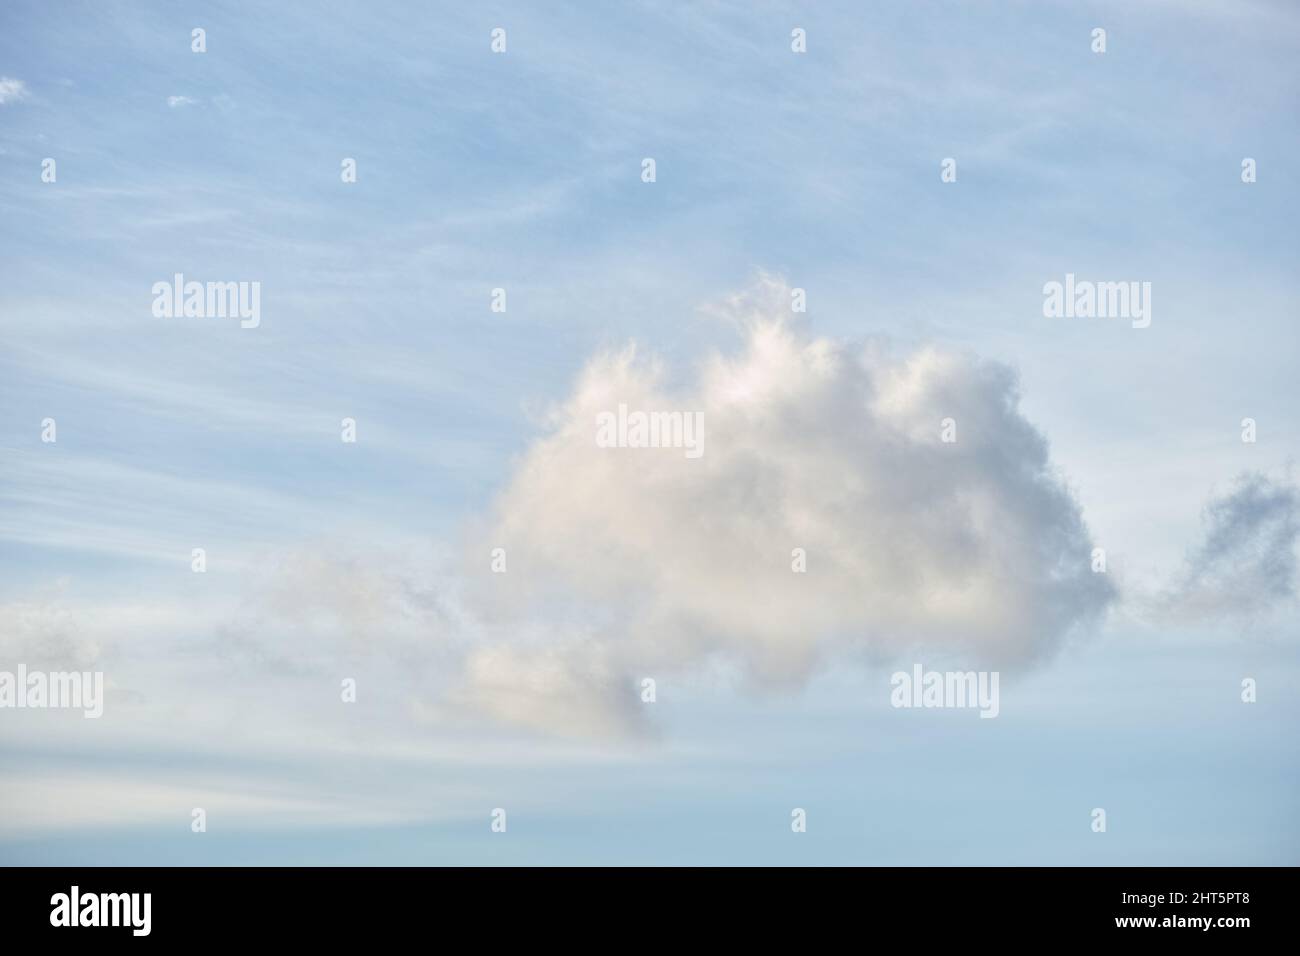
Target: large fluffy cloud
(971,549)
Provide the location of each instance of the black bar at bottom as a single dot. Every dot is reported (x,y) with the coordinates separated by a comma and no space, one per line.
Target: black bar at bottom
(337,906)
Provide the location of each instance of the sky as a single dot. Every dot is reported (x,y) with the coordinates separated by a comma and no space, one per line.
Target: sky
(777,174)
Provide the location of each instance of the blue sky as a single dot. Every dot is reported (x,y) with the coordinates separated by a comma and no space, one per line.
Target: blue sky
(522,171)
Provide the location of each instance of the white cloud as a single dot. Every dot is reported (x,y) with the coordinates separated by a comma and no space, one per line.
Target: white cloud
(652,562)
(568,689)
(46,633)
(11,90)
(175,101)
